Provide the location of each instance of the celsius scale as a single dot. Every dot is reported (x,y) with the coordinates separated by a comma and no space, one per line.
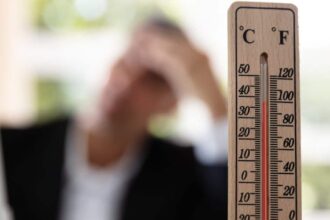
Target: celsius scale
(264,112)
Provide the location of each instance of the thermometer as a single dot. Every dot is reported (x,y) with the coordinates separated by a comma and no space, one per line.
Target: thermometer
(264,112)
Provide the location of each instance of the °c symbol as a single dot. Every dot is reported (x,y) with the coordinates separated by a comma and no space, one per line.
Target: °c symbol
(246,33)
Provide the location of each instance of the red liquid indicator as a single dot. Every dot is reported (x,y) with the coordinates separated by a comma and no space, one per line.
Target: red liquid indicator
(264,137)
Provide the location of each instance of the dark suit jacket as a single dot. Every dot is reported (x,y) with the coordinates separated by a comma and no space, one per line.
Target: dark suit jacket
(170,185)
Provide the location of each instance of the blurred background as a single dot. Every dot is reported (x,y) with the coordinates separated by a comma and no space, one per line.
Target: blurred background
(54,55)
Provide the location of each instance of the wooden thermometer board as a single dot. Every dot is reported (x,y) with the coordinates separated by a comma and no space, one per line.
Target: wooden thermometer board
(264,112)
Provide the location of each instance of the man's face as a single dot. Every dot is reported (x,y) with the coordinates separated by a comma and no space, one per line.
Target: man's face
(133,94)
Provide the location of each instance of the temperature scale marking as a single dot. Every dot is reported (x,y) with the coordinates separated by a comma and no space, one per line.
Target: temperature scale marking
(264,112)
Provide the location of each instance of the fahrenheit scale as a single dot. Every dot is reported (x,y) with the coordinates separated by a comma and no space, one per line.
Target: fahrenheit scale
(264,112)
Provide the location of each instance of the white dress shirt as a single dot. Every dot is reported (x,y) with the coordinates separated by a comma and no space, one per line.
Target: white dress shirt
(96,194)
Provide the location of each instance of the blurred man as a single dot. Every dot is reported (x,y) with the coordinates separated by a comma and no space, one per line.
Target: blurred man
(106,166)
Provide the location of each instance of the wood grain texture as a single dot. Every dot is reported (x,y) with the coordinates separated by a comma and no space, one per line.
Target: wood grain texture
(253,29)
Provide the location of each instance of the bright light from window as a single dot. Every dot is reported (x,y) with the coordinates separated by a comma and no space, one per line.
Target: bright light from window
(91,10)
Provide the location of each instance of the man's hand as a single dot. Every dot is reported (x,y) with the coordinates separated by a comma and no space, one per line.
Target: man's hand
(186,68)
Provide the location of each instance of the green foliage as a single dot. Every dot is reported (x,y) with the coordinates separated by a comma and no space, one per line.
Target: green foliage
(162,126)
(68,15)
(316,190)
(51,100)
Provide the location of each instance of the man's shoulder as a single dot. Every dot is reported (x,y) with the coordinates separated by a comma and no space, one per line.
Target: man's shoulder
(15,140)
(33,162)
(34,129)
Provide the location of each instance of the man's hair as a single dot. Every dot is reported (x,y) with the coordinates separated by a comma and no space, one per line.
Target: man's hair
(163,24)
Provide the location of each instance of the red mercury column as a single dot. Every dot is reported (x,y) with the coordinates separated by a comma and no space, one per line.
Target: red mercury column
(264,138)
